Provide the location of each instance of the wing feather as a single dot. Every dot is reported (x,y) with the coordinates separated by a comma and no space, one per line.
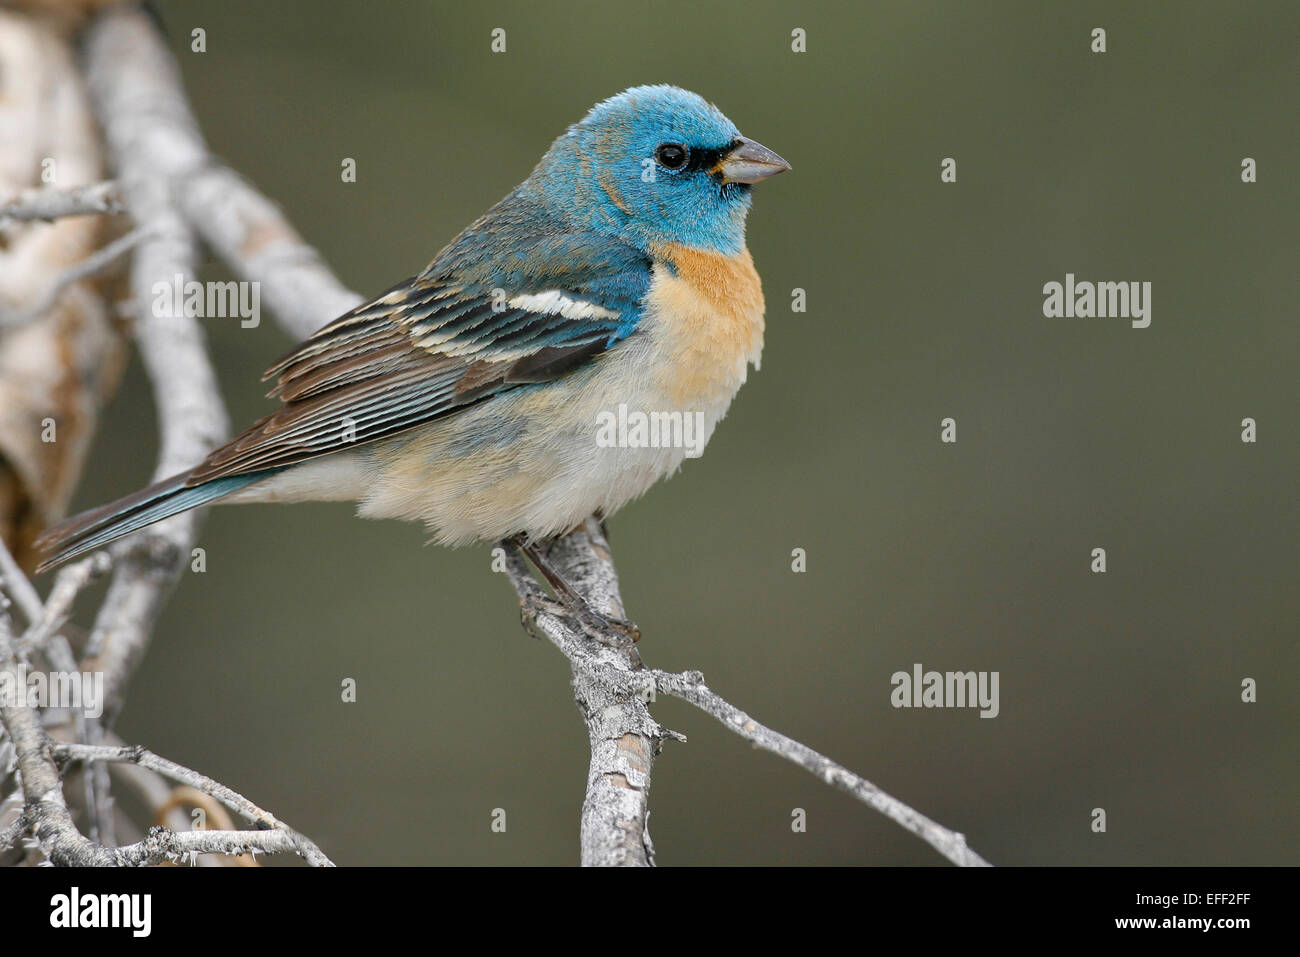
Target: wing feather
(465,329)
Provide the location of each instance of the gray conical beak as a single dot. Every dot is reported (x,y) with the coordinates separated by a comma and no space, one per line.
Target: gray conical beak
(749,162)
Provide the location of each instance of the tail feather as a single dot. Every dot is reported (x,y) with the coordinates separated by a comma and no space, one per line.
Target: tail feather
(99,526)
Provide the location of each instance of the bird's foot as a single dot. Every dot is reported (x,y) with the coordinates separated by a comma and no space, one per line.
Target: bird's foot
(606,629)
(530,606)
(619,634)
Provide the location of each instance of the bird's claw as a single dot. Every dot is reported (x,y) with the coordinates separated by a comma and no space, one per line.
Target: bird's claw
(607,629)
(532,605)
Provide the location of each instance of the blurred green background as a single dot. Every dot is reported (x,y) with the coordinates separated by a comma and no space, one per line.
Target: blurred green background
(1119,691)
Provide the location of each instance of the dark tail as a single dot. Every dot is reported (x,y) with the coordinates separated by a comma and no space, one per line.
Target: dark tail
(99,526)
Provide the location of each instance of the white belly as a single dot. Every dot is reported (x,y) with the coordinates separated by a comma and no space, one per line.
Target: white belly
(539,460)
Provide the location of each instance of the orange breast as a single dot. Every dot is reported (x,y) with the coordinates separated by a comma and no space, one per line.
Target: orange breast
(710,322)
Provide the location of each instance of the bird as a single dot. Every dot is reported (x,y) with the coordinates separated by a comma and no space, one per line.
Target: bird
(470,397)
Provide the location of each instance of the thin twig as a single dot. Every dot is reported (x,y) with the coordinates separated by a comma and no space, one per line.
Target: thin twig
(215,815)
(69,583)
(155,792)
(46,815)
(232,799)
(47,810)
(164,844)
(46,204)
(690,687)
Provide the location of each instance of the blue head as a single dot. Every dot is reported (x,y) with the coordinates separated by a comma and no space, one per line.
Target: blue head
(655,165)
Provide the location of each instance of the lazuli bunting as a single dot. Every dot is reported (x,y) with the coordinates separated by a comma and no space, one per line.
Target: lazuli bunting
(613,281)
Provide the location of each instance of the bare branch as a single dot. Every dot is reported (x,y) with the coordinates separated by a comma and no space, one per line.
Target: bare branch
(245,228)
(156,793)
(136,93)
(164,845)
(235,801)
(48,204)
(608,688)
(690,687)
(15,832)
(250,233)
(604,676)
(217,817)
(46,815)
(134,88)
(47,811)
(69,583)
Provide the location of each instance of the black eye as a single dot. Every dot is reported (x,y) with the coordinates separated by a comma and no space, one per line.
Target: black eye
(671,155)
